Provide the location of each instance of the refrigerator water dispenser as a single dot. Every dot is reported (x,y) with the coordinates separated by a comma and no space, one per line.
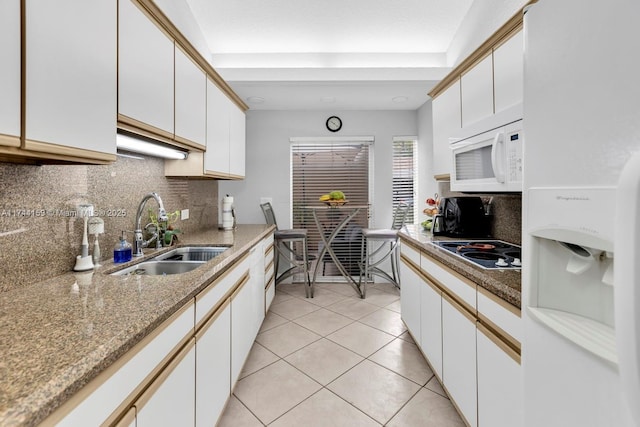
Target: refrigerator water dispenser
(571,259)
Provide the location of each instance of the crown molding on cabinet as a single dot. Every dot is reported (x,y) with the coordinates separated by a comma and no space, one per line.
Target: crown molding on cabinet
(512,26)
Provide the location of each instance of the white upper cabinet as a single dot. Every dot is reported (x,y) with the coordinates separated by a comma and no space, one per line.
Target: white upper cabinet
(70,77)
(237,142)
(508,71)
(216,158)
(446,120)
(476,86)
(190,100)
(10,72)
(145,71)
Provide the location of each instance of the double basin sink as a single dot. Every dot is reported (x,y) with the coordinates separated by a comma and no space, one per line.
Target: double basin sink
(176,261)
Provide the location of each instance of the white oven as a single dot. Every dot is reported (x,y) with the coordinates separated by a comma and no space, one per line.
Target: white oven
(490,161)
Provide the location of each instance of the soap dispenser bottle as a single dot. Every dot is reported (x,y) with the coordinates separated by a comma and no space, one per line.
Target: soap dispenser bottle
(122,251)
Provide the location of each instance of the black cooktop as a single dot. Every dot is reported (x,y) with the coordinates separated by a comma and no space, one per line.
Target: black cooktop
(489,254)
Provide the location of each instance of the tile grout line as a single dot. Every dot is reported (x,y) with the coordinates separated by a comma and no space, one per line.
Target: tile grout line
(352,321)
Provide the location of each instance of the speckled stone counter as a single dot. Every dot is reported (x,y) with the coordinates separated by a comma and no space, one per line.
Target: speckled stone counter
(505,284)
(59,334)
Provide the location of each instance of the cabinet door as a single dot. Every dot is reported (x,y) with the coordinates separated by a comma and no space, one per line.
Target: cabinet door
(410,299)
(216,158)
(242,327)
(431,325)
(10,73)
(508,71)
(145,70)
(459,358)
(257,286)
(500,390)
(170,399)
(213,366)
(446,120)
(71,76)
(237,142)
(269,294)
(191,100)
(476,88)
(98,407)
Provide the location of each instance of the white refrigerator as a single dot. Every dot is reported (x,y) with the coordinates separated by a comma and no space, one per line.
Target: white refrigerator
(581,207)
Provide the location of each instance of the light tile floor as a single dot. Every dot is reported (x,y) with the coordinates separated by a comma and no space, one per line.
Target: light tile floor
(337,360)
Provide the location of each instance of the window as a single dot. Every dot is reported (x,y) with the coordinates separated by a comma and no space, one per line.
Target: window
(405,172)
(318,166)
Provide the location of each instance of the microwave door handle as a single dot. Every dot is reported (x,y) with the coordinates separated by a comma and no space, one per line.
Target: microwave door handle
(497,171)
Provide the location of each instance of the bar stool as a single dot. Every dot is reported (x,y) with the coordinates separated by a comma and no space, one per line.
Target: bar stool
(386,240)
(285,243)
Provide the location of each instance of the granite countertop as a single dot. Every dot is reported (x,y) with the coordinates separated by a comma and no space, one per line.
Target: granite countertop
(505,284)
(59,334)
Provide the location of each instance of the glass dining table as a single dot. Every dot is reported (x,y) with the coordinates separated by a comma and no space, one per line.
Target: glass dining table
(330,221)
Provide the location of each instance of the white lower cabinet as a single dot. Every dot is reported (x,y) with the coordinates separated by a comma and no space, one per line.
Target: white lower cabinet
(183,373)
(242,327)
(213,366)
(479,366)
(459,358)
(170,399)
(499,382)
(257,286)
(431,325)
(106,396)
(410,298)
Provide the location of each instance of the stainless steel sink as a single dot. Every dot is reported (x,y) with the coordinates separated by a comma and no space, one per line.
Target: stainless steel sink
(176,261)
(159,268)
(192,253)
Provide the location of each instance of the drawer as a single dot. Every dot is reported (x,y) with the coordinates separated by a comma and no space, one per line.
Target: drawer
(500,316)
(213,294)
(462,289)
(411,253)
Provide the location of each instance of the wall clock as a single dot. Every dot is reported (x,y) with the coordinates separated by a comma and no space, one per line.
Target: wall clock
(334,123)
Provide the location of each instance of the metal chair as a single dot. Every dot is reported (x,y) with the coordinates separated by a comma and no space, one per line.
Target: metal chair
(285,243)
(387,238)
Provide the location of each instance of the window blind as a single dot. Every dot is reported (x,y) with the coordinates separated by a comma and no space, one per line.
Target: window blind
(319,167)
(405,174)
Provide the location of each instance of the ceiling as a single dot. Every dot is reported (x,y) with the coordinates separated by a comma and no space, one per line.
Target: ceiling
(330,54)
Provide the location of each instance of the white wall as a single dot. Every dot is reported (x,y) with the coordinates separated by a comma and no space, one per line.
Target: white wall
(426,183)
(267,157)
(483,19)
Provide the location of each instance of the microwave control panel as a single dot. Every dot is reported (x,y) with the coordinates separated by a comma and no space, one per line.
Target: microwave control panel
(514,141)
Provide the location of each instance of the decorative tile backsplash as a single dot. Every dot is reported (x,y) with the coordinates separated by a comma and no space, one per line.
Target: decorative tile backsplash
(40,235)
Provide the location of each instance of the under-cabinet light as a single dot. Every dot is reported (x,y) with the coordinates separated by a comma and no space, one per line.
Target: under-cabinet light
(135,145)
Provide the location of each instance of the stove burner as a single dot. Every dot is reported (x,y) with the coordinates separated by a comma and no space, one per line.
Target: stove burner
(483,255)
(485,258)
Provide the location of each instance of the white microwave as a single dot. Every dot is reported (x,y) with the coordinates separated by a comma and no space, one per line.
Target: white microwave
(490,161)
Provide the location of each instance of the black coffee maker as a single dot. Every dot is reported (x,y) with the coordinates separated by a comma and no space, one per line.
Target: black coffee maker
(462,217)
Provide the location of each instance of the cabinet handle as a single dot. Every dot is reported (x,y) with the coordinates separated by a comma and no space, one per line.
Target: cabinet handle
(497,341)
(460,308)
(164,374)
(212,318)
(243,281)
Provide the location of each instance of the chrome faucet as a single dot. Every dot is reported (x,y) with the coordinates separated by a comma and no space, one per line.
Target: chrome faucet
(138,241)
